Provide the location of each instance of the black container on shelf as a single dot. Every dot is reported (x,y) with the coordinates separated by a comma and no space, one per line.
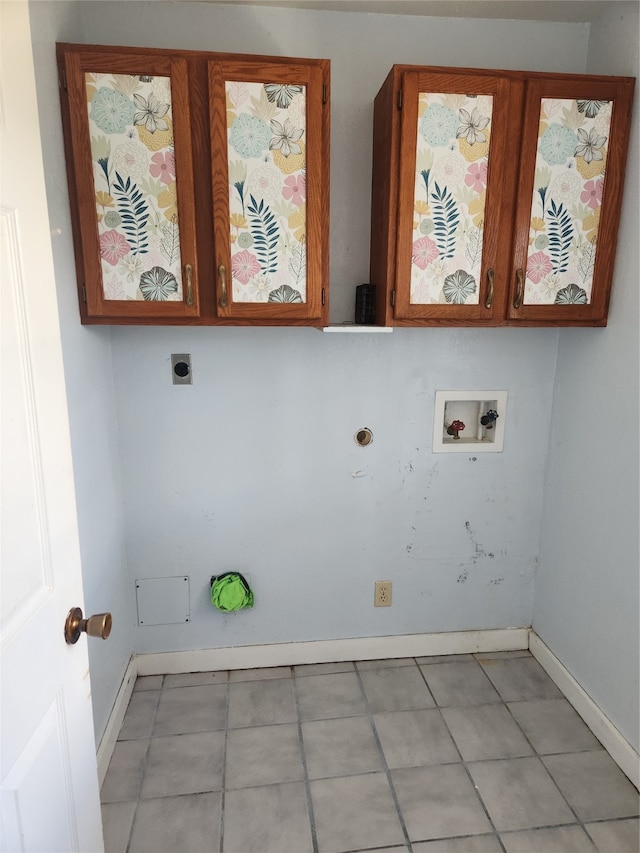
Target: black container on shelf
(365,304)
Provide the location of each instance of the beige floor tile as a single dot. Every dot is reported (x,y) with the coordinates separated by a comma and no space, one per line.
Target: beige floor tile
(261,703)
(189,824)
(263,756)
(457,684)
(551,725)
(519,794)
(486,731)
(191,709)
(184,764)
(326,696)
(125,773)
(270,819)
(439,801)
(397,688)
(355,812)
(594,785)
(415,738)
(621,836)
(342,747)
(117,819)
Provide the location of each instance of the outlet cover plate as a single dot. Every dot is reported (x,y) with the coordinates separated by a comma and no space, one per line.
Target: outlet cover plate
(382,594)
(181,368)
(469,407)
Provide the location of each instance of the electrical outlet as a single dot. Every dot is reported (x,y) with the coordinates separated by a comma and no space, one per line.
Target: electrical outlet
(181,368)
(382,595)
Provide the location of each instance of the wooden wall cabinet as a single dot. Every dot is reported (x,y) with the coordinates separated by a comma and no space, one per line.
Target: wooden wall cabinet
(496,196)
(199,185)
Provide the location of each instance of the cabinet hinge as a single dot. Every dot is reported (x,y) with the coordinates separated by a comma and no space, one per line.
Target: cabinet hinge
(324,297)
(63,79)
(84,293)
(399,99)
(393,298)
(324,93)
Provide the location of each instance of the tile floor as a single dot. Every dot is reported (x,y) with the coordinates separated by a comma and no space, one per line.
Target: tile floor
(458,754)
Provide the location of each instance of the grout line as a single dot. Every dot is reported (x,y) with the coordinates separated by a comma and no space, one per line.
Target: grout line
(223,780)
(146,761)
(426,683)
(613,819)
(453,740)
(471,780)
(539,757)
(508,832)
(535,754)
(305,769)
(385,766)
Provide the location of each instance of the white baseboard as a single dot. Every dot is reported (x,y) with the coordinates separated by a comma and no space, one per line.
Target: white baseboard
(328,651)
(112,730)
(613,741)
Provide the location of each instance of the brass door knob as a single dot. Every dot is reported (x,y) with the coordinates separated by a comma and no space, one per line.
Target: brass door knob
(98,625)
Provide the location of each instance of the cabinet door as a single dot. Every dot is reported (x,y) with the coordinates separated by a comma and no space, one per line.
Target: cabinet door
(269,144)
(456,177)
(574,144)
(131,184)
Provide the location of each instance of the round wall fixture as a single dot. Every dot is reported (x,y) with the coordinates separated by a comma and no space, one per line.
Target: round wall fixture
(363,437)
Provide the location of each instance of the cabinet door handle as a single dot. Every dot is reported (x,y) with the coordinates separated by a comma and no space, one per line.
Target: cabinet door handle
(223,286)
(188,272)
(517,302)
(489,300)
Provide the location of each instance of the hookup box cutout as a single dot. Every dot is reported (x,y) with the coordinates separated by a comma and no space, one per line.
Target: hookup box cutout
(482,415)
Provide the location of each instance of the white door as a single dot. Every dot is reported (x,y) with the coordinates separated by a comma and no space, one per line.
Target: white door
(50,795)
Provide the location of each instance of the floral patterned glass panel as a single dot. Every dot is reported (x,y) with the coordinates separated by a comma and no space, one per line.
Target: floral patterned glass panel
(266,134)
(450,186)
(565,211)
(134,173)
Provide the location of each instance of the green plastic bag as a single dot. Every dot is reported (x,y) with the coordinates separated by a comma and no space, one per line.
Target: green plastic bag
(230,591)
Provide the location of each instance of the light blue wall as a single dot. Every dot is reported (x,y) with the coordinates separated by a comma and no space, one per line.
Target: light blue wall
(252,468)
(587,596)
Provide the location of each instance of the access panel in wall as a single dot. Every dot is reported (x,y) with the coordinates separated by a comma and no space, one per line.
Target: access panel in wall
(496,196)
(198,185)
